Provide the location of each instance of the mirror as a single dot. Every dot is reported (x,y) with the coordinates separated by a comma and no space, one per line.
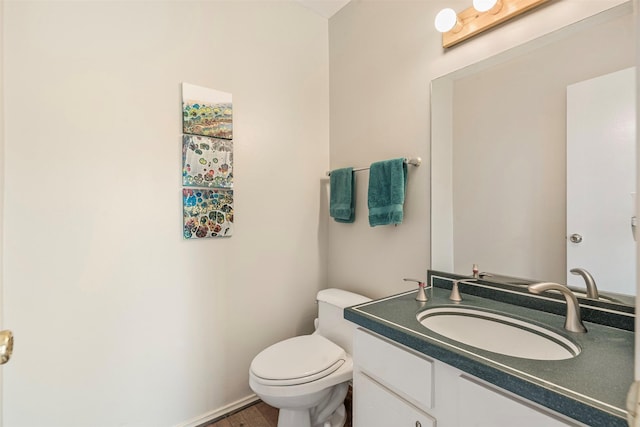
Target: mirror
(499,162)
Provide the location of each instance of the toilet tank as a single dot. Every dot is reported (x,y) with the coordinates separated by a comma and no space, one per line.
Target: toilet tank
(331,323)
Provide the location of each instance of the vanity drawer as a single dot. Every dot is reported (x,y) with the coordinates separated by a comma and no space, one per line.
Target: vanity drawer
(376,406)
(397,368)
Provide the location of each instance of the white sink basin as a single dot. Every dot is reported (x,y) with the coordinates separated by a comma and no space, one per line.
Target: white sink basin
(497,333)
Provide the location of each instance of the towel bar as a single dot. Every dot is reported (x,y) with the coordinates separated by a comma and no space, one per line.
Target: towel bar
(414,161)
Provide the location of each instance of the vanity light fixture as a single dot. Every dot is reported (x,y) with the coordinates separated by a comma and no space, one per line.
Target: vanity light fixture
(484,14)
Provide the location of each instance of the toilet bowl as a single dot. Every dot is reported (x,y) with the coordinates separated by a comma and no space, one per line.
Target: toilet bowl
(307,377)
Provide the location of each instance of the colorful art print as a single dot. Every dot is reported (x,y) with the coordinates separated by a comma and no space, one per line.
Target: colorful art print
(207,112)
(207,213)
(207,162)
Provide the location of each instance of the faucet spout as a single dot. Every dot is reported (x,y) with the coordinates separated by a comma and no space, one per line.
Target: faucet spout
(573,321)
(592,290)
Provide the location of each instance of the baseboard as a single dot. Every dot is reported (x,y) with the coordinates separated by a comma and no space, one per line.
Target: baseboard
(219,413)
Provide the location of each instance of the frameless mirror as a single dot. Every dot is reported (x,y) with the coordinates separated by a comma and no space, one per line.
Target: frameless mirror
(500,160)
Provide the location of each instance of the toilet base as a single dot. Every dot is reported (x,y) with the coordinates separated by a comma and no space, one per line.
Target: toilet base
(288,417)
(338,418)
(328,412)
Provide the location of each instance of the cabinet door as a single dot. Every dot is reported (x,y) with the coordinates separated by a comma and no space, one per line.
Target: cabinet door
(481,406)
(376,406)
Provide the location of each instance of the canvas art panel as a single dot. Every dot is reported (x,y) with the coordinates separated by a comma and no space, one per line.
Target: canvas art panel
(207,162)
(207,112)
(207,213)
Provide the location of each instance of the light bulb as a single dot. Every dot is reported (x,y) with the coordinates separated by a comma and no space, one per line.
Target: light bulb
(446,20)
(487,5)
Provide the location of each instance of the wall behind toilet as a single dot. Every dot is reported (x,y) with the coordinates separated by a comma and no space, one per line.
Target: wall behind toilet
(118,321)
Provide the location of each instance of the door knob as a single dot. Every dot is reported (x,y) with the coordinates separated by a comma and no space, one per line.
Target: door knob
(575,238)
(6,346)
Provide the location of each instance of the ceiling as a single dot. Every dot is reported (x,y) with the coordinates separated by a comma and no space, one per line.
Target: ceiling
(326,8)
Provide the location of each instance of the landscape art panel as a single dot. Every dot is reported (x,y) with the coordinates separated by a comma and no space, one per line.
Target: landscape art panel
(207,112)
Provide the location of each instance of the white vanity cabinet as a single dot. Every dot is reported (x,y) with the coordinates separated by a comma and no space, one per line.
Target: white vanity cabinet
(394,386)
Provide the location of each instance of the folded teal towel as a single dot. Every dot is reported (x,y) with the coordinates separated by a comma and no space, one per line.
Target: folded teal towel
(342,195)
(387,180)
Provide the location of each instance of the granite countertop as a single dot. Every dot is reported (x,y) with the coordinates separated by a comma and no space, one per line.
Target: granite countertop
(590,387)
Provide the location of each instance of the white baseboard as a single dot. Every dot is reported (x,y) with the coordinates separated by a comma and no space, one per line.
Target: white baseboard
(209,416)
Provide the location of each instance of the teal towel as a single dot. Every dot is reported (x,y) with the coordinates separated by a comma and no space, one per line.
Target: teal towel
(387,181)
(342,195)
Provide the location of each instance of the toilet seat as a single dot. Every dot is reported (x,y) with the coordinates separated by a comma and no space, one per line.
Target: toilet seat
(297,360)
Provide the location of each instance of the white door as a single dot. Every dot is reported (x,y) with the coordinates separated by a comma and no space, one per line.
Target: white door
(601,180)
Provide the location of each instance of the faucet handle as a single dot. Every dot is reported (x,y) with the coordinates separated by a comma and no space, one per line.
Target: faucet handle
(422,296)
(455,292)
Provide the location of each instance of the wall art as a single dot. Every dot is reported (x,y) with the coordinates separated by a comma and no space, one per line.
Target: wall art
(207,112)
(207,162)
(207,213)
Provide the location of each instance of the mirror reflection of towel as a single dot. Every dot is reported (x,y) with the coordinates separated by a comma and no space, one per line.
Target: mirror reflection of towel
(342,195)
(387,181)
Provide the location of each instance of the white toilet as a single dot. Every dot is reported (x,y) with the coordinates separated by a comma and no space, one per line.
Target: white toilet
(307,377)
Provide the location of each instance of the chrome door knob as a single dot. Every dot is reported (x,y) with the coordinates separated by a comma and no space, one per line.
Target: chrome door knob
(575,238)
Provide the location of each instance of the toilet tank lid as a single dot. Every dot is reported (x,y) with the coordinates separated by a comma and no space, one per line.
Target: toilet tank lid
(340,298)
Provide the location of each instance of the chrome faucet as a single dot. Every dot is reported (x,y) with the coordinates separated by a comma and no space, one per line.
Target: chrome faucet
(592,290)
(573,322)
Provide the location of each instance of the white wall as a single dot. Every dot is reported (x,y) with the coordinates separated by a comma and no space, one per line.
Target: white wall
(383,54)
(118,320)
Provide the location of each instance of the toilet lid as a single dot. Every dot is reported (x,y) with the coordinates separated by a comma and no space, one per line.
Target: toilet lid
(298,360)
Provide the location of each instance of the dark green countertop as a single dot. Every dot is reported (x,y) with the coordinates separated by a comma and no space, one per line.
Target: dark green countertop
(590,387)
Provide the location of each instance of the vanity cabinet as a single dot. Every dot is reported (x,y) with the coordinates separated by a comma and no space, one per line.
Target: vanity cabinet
(396,386)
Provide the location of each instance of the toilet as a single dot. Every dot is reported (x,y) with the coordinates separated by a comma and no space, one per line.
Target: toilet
(307,377)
